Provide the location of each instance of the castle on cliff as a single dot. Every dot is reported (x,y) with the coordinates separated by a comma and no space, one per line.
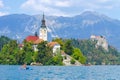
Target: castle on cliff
(101,41)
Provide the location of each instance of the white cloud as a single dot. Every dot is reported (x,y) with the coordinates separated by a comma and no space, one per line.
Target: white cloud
(95,4)
(49,7)
(3,13)
(67,7)
(1,4)
(55,3)
(3,7)
(63,3)
(102,1)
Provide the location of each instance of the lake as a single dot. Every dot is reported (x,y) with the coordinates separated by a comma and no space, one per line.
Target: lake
(13,72)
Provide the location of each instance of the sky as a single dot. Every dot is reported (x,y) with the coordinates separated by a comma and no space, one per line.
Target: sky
(110,8)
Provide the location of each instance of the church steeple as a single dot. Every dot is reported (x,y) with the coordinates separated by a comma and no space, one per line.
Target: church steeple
(43,30)
(43,22)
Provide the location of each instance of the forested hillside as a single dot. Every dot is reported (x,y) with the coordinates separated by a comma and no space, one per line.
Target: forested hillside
(12,53)
(83,51)
(97,55)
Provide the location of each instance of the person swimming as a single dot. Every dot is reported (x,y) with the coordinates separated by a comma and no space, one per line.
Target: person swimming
(24,66)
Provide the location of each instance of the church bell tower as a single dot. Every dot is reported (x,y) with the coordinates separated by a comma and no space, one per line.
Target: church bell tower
(43,30)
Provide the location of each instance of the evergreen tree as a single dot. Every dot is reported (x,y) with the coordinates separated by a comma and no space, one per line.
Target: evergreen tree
(68,48)
(44,53)
(28,52)
(3,40)
(9,52)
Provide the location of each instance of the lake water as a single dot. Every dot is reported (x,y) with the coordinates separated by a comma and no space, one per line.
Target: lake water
(11,72)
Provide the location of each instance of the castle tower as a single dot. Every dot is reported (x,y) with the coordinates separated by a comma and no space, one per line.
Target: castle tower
(43,30)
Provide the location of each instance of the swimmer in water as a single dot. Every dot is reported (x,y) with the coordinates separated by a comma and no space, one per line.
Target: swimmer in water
(24,66)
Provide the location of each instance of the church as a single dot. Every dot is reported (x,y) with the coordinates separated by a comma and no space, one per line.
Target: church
(42,36)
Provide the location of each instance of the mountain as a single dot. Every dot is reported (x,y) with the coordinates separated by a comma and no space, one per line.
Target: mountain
(18,26)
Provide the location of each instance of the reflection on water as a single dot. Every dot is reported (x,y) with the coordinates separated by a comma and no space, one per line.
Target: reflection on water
(11,72)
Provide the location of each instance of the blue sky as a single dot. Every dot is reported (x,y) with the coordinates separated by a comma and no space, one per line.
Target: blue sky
(110,8)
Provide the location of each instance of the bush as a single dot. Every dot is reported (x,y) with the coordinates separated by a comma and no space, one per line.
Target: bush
(77,54)
(72,61)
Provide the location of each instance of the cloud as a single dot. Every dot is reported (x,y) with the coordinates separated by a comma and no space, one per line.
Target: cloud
(63,3)
(102,1)
(95,4)
(51,7)
(67,7)
(1,4)
(54,3)
(3,13)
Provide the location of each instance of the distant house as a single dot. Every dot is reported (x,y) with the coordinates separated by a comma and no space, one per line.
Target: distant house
(55,47)
(35,40)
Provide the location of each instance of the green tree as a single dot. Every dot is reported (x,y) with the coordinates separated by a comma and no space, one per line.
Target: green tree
(97,55)
(44,53)
(68,48)
(60,41)
(20,56)
(56,60)
(4,40)
(28,52)
(77,54)
(72,61)
(9,52)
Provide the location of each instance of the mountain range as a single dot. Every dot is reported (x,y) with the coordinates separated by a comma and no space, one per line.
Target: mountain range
(18,26)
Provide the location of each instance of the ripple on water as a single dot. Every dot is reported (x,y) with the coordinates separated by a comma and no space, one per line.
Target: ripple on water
(60,73)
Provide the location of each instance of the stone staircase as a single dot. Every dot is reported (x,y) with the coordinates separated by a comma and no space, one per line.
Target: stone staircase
(67,59)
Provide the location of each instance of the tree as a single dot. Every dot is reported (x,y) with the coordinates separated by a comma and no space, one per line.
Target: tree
(97,55)
(72,61)
(56,60)
(9,52)
(77,54)
(20,56)
(4,40)
(60,41)
(28,52)
(68,48)
(44,53)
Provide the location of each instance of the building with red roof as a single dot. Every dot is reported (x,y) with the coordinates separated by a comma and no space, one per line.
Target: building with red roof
(31,38)
(55,47)
(42,36)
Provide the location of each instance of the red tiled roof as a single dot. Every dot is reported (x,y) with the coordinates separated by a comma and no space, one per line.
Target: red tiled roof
(51,44)
(38,41)
(32,38)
